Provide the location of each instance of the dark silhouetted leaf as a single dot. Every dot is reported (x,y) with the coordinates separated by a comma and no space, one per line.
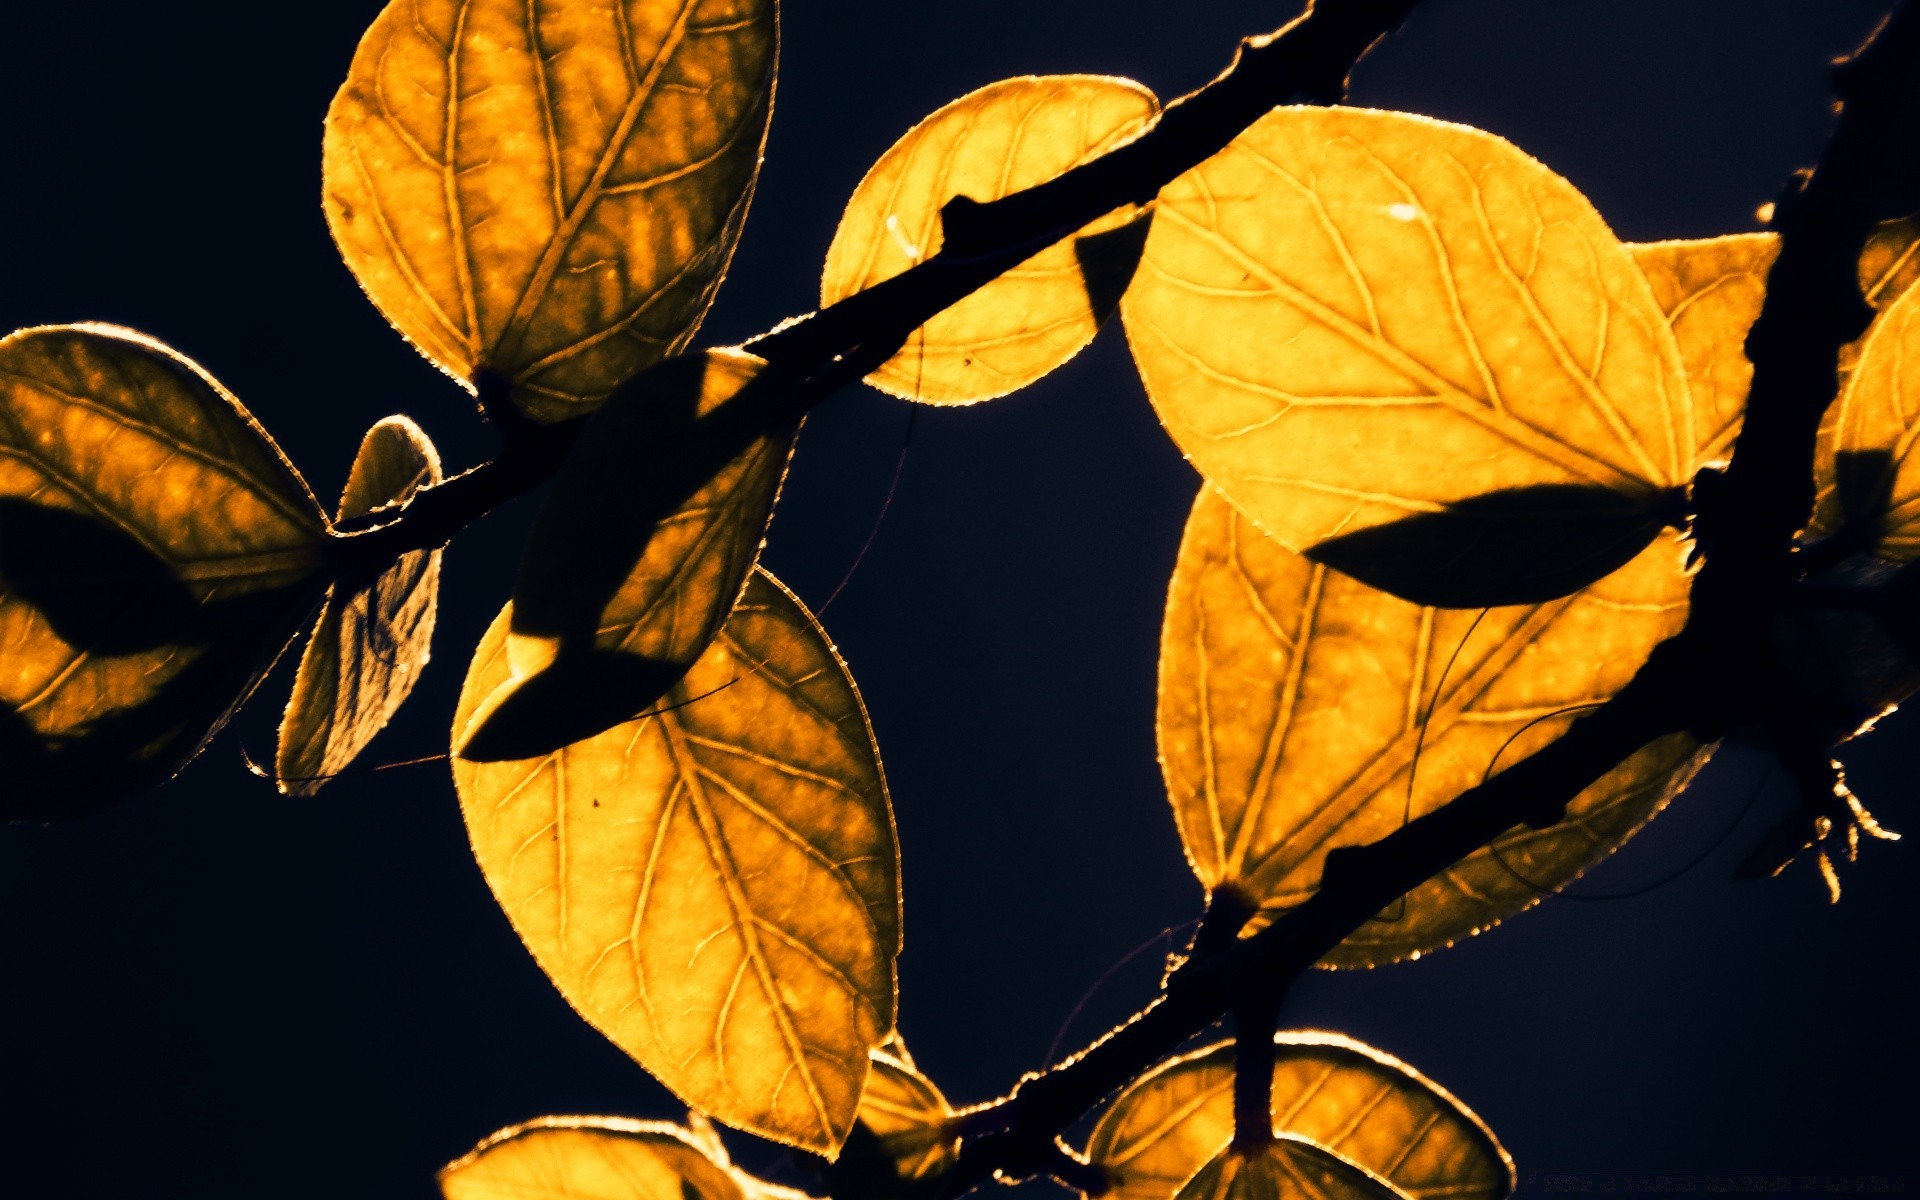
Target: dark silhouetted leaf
(373,638)
(1513,547)
(1366,1106)
(156,552)
(1004,137)
(646,541)
(714,885)
(551,195)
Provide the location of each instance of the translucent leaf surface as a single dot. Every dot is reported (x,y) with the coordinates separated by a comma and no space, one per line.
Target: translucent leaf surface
(909,1119)
(1002,138)
(1286,1169)
(373,637)
(1711,291)
(643,546)
(552,191)
(1366,1106)
(1295,703)
(156,552)
(1866,473)
(713,885)
(1349,317)
(589,1158)
(1890,261)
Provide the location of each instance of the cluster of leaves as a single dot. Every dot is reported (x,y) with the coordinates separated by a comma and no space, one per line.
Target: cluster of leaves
(1447,425)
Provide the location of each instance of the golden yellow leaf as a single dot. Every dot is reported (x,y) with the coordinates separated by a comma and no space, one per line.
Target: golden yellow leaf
(551,193)
(156,552)
(1710,291)
(1295,704)
(909,1118)
(713,885)
(373,638)
(1890,261)
(1364,1105)
(1862,472)
(1000,139)
(1288,1168)
(642,547)
(589,1158)
(1350,318)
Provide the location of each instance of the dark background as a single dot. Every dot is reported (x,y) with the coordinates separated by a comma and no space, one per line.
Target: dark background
(215,991)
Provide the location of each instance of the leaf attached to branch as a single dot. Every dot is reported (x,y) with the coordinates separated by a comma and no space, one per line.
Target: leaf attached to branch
(1000,139)
(1348,318)
(549,194)
(156,553)
(1301,710)
(590,1158)
(374,636)
(714,884)
(642,547)
(1366,1106)
(1287,1168)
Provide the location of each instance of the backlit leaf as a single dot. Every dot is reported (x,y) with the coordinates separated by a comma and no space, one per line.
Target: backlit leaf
(1285,1169)
(1866,474)
(643,545)
(156,552)
(1890,261)
(1350,317)
(551,192)
(911,1122)
(1295,704)
(1366,1106)
(714,884)
(1710,291)
(589,1158)
(373,637)
(1002,138)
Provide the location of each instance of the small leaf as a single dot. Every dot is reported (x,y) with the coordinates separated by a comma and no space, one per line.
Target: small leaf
(1523,546)
(909,1120)
(373,638)
(713,885)
(1867,478)
(1711,291)
(1296,704)
(1350,317)
(1287,1168)
(552,195)
(156,553)
(589,1158)
(1000,139)
(644,543)
(1364,1105)
(1890,261)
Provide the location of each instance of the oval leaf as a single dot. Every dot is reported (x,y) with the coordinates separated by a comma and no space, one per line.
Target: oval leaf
(1295,704)
(549,194)
(589,1158)
(156,552)
(1711,290)
(713,885)
(644,544)
(1364,1105)
(1000,139)
(1348,318)
(1287,1168)
(909,1120)
(1867,477)
(374,636)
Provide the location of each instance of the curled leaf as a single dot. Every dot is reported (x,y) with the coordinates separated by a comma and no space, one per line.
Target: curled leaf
(1349,317)
(590,1158)
(712,884)
(1287,1168)
(1000,139)
(552,194)
(1363,1104)
(156,553)
(643,545)
(1711,290)
(374,635)
(909,1121)
(1301,710)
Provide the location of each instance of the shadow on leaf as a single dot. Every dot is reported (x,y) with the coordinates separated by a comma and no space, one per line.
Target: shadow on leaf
(1108,260)
(575,698)
(1516,546)
(97,586)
